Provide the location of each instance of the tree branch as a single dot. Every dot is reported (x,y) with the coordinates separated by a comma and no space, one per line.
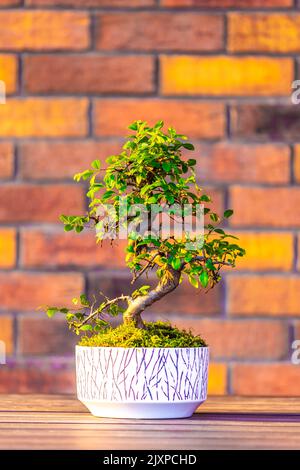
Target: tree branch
(104,306)
(202,258)
(144,268)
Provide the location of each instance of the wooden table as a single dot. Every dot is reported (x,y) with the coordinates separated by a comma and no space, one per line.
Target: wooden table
(62,422)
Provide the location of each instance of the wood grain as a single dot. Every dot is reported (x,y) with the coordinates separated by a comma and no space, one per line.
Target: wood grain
(62,422)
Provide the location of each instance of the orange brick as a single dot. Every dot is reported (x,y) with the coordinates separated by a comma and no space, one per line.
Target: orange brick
(45,336)
(8,72)
(233,162)
(217,379)
(221,75)
(266,251)
(297,163)
(240,339)
(228,3)
(91,3)
(6,160)
(24,203)
(266,379)
(264,32)
(28,291)
(60,159)
(9,2)
(7,247)
(84,74)
(6,333)
(205,120)
(298,260)
(43,30)
(37,377)
(53,248)
(264,295)
(40,117)
(147,31)
(265,207)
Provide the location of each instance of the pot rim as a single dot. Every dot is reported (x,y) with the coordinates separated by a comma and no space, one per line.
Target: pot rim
(139,347)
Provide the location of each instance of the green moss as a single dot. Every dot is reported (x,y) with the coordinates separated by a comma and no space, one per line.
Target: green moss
(156,335)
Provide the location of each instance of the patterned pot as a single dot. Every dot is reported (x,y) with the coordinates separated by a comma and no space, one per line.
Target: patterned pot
(142,382)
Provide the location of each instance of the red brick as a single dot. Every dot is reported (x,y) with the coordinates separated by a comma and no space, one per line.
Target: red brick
(297,163)
(185,299)
(265,122)
(6,160)
(43,30)
(266,379)
(228,3)
(52,248)
(6,333)
(37,377)
(92,3)
(38,336)
(243,163)
(205,120)
(42,117)
(23,203)
(28,291)
(298,259)
(297,330)
(159,31)
(264,295)
(240,339)
(60,159)
(88,74)
(265,207)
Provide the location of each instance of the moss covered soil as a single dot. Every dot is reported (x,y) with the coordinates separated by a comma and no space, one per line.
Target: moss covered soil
(155,335)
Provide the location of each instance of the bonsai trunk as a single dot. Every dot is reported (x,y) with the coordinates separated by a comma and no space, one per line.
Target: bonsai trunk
(138,305)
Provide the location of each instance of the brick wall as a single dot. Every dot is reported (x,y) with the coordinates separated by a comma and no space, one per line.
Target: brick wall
(77,72)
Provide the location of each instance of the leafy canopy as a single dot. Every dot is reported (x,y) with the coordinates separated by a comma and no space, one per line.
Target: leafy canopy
(151,170)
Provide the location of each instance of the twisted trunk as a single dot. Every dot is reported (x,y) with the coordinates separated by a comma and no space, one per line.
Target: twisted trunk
(138,305)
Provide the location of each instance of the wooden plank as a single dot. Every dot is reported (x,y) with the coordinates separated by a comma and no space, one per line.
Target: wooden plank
(62,422)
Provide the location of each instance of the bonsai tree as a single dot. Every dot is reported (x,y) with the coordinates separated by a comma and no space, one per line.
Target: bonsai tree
(149,171)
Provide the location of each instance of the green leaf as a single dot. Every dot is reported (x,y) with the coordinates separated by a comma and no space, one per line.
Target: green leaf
(176,263)
(133,126)
(68,228)
(84,300)
(228,213)
(205,198)
(79,228)
(51,311)
(189,146)
(159,125)
(166,166)
(194,281)
(210,265)
(152,200)
(219,230)
(204,278)
(214,217)
(75,301)
(86,328)
(192,162)
(96,164)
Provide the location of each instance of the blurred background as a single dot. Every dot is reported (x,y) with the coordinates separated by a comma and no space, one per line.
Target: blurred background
(77,72)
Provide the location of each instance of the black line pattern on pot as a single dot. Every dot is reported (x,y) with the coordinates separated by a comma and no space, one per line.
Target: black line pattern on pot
(143,374)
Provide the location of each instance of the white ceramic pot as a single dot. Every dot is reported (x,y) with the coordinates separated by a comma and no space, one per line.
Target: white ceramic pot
(152,383)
